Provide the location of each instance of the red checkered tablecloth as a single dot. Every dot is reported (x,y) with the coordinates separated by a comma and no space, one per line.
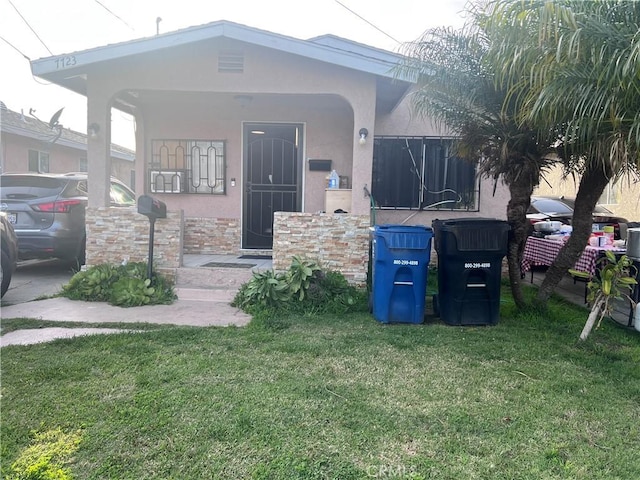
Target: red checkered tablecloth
(542,252)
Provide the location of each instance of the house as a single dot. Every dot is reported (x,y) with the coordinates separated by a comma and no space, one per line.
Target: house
(622,196)
(238,130)
(28,144)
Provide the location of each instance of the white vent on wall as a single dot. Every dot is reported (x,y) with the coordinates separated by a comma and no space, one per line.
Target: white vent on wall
(166,182)
(231,62)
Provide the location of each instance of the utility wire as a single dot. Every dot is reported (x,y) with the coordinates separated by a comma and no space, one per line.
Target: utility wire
(14,47)
(119,18)
(30,28)
(367,21)
(36,79)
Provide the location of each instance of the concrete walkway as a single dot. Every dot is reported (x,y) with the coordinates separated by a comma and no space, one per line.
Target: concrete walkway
(204,297)
(194,307)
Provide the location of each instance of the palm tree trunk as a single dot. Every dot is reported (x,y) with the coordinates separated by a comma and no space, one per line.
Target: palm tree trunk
(592,184)
(521,190)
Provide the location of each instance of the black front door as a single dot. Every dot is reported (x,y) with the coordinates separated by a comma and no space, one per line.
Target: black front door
(272,179)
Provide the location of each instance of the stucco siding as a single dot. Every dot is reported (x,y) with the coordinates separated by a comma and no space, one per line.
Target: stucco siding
(15,157)
(626,199)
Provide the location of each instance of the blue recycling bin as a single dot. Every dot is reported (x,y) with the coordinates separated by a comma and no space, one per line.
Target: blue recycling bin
(400,255)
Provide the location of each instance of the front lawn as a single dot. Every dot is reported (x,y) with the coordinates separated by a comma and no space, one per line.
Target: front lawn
(336,397)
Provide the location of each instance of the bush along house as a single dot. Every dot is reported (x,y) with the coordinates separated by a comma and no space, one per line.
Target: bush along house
(238,131)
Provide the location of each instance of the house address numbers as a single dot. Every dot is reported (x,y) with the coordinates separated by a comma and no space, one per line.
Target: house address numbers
(66,61)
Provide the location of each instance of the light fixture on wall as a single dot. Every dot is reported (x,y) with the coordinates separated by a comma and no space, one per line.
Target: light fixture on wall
(363,136)
(93,130)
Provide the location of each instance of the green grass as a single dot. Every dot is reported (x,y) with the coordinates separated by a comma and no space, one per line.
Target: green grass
(336,397)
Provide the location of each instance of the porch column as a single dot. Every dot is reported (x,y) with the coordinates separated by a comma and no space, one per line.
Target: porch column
(364,117)
(98,147)
(141,154)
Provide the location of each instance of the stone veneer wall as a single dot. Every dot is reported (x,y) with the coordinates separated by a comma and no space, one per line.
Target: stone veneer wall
(336,241)
(115,234)
(208,236)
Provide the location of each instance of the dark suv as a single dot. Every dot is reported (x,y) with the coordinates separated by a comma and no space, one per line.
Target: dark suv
(561,209)
(47,212)
(9,252)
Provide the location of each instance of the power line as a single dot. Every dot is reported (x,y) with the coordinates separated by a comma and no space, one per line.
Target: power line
(116,16)
(30,28)
(14,47)
(36,79)
(367,21)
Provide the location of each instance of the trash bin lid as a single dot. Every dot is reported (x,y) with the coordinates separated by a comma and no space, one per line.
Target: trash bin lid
(410,237)
(469,222)
(473,233)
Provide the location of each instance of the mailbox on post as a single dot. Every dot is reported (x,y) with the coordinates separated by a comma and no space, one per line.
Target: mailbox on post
(153,209)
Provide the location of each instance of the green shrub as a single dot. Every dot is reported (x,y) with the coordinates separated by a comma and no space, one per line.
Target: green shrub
(131,291)
(299,276)
(266,289)
(123,285)
(305,288)
(93,284)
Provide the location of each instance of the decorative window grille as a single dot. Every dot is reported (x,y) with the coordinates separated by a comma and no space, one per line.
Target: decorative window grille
(421,173)
(187,166)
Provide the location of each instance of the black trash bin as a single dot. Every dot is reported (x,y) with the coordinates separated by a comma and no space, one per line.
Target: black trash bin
(470,253)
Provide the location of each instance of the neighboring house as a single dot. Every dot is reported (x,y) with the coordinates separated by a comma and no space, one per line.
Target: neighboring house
(31,145)
(621,197)
(238,130)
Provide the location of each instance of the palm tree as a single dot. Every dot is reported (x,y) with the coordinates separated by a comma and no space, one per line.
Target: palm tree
(456,89)
(572,65)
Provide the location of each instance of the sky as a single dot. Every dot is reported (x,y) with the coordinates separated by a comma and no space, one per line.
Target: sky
(42,28)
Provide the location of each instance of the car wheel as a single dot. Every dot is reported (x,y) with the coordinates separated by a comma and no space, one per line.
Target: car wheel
(5,274)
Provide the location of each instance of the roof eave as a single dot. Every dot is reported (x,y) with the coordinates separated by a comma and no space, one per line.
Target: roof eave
(63,142)
(68,69)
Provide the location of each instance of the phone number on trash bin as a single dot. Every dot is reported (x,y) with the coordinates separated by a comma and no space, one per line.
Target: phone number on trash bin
(406,262)
(477,265)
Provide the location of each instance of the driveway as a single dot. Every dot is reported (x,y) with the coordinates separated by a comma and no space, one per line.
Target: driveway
(36,279)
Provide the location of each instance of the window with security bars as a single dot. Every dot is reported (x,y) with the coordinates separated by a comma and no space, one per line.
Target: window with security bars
(422,173)
(187,166)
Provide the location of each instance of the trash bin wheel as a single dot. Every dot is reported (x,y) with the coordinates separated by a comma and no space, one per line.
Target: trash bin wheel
(436,307)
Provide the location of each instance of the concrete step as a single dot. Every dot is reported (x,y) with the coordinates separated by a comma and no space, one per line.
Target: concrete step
(206,294)
(212,278)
